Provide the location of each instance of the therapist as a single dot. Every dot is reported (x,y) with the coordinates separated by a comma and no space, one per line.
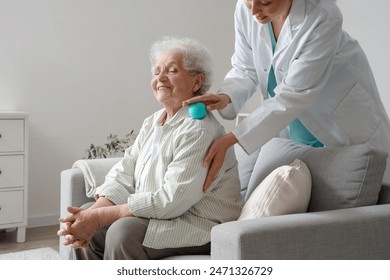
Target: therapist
(316,81)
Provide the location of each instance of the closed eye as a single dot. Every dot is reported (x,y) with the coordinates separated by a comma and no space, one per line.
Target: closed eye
(172,70)
(157,71)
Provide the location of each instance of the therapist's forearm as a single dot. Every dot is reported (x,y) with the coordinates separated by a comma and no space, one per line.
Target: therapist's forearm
(225,97)
(230,139)
(223,143)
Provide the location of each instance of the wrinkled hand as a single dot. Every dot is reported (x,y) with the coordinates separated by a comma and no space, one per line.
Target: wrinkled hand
(70,239)
(212,101)
(216,156)
(64,231)
(78,228)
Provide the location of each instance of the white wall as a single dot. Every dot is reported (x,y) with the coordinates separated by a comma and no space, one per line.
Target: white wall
(368,22)
(80,67)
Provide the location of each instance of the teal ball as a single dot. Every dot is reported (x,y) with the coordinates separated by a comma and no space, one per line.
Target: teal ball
(197,110)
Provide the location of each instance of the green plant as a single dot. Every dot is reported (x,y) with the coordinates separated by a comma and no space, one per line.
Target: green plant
(114,147)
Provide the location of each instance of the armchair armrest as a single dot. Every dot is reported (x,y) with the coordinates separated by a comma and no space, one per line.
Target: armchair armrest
(73,187)
(72,194)
(355,233)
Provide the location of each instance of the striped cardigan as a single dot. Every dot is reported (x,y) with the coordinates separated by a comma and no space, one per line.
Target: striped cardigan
(161,176)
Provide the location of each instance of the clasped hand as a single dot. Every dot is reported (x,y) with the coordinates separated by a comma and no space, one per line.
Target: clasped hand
(78,227)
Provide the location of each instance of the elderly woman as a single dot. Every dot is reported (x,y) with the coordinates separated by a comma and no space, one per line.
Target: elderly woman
(152,204)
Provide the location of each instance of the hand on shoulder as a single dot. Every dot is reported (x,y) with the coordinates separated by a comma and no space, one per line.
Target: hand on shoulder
(212,101)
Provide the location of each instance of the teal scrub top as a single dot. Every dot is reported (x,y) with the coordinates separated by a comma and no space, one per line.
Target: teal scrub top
(297,130)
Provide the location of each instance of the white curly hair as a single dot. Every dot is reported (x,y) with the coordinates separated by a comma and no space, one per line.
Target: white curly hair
(196,57)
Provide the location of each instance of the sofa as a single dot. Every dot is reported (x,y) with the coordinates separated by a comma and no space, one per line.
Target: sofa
(346,216)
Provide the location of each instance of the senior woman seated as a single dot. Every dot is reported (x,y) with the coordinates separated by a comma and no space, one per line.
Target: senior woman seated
(152,203)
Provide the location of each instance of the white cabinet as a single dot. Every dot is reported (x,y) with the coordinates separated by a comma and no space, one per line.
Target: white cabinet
(13,172)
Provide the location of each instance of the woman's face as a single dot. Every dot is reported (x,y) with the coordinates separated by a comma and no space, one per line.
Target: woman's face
(266,11)
(171,82)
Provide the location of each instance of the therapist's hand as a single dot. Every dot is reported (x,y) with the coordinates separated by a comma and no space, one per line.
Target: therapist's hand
(212,101)
(216,156)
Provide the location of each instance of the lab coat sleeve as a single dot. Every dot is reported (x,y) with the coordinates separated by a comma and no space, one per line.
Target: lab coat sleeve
(241,81)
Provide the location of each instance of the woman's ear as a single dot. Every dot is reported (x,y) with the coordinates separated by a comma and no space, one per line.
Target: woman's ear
(199,80)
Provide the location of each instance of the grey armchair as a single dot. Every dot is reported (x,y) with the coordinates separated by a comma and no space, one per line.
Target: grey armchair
(348,215)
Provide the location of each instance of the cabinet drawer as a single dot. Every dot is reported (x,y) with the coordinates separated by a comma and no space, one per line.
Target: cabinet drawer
(11,135)
(11,207)
(11,171)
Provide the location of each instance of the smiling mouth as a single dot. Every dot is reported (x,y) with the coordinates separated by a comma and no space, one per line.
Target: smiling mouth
(162,88)
(260,18)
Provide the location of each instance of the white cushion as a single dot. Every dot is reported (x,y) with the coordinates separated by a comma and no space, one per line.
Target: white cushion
(286,190)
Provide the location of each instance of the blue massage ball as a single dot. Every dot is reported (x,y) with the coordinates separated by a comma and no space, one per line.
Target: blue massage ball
(197,110)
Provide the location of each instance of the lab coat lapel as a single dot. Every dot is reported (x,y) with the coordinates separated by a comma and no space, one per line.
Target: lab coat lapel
(292,24)
(264,33)
(284,40)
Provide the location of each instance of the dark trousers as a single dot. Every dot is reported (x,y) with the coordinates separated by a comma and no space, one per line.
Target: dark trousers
(123,241)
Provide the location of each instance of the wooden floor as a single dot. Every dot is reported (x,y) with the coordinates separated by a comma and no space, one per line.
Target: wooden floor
(37,237)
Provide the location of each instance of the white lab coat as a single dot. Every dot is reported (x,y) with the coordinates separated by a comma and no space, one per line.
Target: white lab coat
(323,78)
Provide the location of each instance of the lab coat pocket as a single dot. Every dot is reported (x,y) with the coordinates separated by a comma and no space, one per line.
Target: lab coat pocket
(357,115)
